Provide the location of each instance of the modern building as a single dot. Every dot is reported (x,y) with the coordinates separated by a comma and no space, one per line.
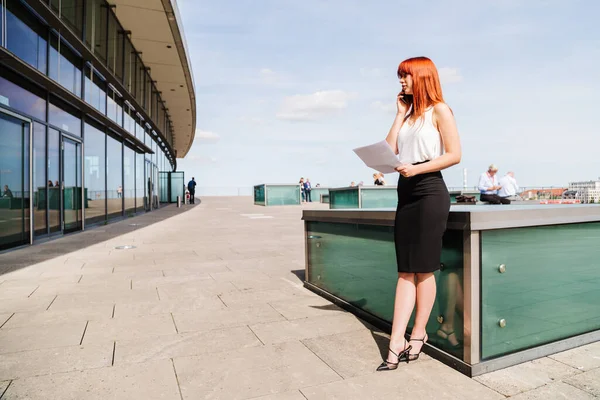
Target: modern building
(96,98)
(586,191)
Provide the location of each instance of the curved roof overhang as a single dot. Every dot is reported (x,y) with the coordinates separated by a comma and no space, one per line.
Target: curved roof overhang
(157,32)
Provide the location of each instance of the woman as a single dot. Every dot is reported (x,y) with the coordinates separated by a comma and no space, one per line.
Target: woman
(301,183)
(425,137)
(378,177)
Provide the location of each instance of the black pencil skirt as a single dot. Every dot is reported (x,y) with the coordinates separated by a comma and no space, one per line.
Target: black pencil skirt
(421,218)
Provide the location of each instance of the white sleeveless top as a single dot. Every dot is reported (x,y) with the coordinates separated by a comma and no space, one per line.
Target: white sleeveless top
(419,141)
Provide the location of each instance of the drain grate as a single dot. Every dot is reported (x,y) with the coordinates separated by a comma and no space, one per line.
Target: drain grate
(126,247)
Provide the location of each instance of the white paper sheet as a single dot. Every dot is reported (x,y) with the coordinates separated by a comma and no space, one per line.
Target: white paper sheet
(379,156)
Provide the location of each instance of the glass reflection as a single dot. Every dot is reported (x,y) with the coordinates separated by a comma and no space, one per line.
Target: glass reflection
(129,184)
(65,66)
(40,192)
(97,28)
(52,183)
(22,100)
(71,12)
(95,90)
(114,177)
(25,35)
(14,182)
(64,120)
(139,182)
(95,174)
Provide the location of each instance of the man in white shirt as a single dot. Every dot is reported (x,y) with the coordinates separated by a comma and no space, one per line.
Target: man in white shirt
(509,187)
(488,186)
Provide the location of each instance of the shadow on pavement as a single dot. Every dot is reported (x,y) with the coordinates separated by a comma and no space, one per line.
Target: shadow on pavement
(15,259)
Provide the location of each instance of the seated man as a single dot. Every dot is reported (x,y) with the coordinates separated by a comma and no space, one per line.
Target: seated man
(509,187)
(7,193)
(488,186)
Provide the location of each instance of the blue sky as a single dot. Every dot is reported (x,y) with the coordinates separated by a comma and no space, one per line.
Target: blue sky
(288,88)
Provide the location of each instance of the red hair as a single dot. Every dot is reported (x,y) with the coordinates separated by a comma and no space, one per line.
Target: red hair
(426,87)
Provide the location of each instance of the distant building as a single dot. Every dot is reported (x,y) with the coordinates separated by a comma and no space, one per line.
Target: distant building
(543,193)
(586,191)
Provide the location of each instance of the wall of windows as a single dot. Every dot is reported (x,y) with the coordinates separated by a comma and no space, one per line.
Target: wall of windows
(63,142)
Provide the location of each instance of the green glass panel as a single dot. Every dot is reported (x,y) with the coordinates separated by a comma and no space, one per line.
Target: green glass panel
(317,192)
(343,198)
(259,195)
(283,195)
(379,197)
(357,263)
(544,295)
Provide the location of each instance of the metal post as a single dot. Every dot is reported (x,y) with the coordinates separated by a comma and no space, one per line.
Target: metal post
(178,201)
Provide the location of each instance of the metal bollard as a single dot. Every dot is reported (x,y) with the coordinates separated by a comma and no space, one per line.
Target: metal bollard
(178,201)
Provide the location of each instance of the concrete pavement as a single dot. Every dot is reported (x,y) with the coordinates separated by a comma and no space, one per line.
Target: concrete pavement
(210,305)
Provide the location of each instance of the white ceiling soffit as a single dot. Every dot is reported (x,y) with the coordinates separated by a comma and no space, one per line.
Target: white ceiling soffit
(157,32)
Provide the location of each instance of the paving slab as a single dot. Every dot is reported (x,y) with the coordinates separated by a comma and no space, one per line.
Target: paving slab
(251,372)
(26,338)
(527,376)
(421,380)
(15,291)
(305,328)
(67,301)
(353,353)
(78,314)
(26,304)
(293,395)
(154,380)
(167,306)
(198,288)
(588,381)
(244,299)
(186,344)
(583,358)
(49,361)
(3,387)
(554,391)
(306,307)
(129,328)
(205,320)
(4,319)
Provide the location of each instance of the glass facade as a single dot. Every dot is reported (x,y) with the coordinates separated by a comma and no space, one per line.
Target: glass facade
(83,172)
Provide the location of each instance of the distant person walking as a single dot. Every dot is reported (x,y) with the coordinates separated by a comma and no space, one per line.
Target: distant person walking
(302,191)
(192,189)
(120,191)
(425,137)
(489,187)
(510,189)
(7,192)
(307,190)
(378,179)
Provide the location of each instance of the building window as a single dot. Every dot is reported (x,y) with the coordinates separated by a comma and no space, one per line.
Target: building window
(115,46)
(95,90)
(114,177)
(115,107)
(96,28)
(129,78)
(65,65)
(95,174)
(22,100)
(63,119)
(71,13)
(129,183)
(25,35)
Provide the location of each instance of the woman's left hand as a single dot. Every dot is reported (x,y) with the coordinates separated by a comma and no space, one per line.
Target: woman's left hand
(408,170)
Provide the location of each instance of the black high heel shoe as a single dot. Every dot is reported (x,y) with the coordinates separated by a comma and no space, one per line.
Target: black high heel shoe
(390,366)
(414,357)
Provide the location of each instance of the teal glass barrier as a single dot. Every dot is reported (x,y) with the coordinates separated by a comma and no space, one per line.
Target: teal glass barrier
(379,197)
(316,193)
(357,263)
(344,198)
(283,195)
(544,295)
(259,195)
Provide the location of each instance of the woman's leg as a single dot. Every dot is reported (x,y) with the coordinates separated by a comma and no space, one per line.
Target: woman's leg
(454,302)
(426,291)
(403,307)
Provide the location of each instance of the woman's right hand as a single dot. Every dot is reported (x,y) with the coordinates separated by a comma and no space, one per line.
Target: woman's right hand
(401,105)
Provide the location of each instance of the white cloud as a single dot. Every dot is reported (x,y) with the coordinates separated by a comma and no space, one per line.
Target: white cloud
(314,106)
(387,107)
(206,136)
(256,121)
(449,75)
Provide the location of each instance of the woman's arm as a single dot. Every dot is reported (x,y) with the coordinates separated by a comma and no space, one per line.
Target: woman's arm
(392,136)
(445,123)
